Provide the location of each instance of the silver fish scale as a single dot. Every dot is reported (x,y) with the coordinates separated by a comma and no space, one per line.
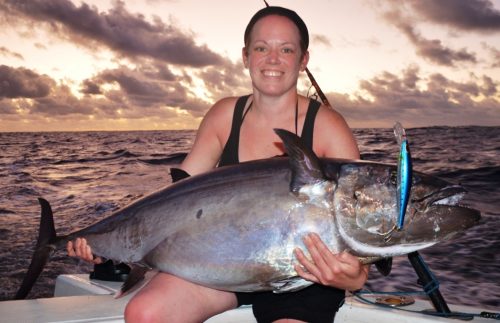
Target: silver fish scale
(245,241)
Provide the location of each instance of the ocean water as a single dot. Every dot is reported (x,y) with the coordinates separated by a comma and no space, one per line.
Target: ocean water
(88,175)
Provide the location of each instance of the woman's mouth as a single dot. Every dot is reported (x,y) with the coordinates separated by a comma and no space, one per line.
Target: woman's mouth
(272,73)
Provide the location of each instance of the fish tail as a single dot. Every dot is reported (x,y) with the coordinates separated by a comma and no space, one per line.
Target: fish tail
(45,246)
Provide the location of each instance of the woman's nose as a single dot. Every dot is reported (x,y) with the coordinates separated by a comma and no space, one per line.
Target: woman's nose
(273,57)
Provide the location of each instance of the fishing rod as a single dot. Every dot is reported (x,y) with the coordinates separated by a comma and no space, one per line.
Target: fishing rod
(315,84)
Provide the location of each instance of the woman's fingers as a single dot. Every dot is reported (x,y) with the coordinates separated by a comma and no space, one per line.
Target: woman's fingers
(339,270)
(70,249)
(80,249)
(306,269)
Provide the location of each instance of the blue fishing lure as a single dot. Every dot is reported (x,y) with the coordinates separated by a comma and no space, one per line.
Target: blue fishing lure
(404,177)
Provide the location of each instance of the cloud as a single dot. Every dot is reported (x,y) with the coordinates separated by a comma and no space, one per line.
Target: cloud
(128,34)
(230,80)
(7,108)
(432,50)
(23,83)
(495,55)
(418,100)
(6,52)
(322,40)
(468,15)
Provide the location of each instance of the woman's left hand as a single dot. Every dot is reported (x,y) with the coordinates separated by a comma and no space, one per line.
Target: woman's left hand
(341,270)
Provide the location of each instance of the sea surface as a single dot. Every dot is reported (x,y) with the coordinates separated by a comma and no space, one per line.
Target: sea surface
(88,175)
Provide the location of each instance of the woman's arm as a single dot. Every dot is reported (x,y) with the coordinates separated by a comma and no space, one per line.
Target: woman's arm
(332,136)
(210,138)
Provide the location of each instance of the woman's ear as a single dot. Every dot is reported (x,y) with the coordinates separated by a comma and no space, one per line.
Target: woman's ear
(244,54)
(304,61)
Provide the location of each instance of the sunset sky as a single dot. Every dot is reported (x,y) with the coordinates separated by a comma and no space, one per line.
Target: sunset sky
(160,64)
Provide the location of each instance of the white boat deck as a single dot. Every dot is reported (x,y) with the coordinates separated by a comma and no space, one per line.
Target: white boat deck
(92,301)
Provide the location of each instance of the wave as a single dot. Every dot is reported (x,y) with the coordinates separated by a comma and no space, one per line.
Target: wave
(479,176)
(88,175)
(175,158)
(122,153)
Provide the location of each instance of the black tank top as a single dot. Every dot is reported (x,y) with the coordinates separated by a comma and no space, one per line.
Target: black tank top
(230,153)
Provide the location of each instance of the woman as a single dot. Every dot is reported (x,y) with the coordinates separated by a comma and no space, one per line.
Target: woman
(241,129)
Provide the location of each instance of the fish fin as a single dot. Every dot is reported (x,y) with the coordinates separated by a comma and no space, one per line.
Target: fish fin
(137,278)
(177,174)
(290,285)
(305,165)
(43,249)
(384,266)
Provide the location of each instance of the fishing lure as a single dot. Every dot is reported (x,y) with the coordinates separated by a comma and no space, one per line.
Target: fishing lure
(404,176)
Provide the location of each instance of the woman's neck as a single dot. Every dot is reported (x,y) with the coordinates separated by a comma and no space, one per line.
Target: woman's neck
(274,105)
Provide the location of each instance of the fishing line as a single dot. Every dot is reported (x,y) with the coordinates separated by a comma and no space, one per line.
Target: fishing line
(460,315)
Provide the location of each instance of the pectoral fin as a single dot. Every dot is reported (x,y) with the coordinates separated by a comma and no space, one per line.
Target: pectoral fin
(384,266)
(290,285)
(138,277)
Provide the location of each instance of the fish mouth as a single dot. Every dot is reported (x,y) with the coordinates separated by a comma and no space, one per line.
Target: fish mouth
(449,199)
(449,195)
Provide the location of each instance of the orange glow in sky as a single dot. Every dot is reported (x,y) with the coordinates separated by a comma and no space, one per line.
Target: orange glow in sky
(146,64)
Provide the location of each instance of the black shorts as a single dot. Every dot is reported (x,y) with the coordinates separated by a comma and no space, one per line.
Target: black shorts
(316,303)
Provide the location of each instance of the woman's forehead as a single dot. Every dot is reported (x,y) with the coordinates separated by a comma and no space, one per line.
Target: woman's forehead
(275,26)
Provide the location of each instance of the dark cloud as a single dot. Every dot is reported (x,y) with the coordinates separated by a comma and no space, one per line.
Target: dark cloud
(489,87)
(7,108)
(146,89)
(470,15)
(23,83)
(412,98)
(90,87)
(430,49)
(495,55)
(61,103)
(227,81)
(150,89)
(128,34)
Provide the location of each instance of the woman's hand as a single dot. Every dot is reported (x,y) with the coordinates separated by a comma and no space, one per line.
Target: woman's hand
(341,270)
(80,249)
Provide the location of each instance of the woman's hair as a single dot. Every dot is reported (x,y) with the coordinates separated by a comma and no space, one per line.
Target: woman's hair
(284,12)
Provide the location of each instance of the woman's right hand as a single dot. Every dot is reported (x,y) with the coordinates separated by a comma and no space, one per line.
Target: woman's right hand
(80,249)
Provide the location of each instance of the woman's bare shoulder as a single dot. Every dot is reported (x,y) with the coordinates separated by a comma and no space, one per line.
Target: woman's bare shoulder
(222,108)
(332,134)
(210,137)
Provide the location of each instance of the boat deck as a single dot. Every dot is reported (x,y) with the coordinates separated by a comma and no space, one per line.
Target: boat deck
(92,301)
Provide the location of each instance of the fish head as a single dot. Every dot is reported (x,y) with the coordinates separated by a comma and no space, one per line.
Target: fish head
(365,209)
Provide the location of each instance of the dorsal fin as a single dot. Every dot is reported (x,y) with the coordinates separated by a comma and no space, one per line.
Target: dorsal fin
(305,165)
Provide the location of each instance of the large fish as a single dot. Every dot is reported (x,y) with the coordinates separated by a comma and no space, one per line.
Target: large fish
(235,228)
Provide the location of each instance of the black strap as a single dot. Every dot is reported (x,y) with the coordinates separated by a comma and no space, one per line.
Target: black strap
(229,154)
(308,129)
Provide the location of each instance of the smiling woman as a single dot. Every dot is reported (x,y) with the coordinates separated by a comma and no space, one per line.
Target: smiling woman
(238,129)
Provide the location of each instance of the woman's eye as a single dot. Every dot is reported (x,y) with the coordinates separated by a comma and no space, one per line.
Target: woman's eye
(260,49)
(287,50)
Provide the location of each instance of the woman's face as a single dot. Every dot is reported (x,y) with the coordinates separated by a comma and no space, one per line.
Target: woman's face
(273,56)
